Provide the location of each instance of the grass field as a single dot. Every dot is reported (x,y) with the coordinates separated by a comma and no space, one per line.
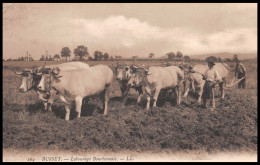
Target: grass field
(187,127)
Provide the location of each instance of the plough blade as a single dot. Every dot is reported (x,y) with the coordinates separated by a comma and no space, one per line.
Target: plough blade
(232,84)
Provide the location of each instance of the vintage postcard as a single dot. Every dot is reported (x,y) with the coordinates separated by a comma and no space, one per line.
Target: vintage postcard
(129,82)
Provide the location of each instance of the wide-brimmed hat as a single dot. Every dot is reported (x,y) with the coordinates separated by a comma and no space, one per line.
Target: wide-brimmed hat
(211,62)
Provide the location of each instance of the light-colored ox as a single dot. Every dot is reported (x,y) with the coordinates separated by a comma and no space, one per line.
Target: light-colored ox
(75,84)
(123,75)
(197,82)
(30,80)
(155,78)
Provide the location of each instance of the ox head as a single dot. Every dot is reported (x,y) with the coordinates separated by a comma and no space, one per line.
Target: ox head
(139,76)
(123,71)
(30,79)
(47,75)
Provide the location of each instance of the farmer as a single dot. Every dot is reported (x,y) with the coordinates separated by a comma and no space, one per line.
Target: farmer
(211,77)
(240,72)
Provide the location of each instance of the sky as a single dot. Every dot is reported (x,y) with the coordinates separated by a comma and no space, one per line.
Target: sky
(129,29)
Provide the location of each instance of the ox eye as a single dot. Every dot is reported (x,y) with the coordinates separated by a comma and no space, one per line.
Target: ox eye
(126,69)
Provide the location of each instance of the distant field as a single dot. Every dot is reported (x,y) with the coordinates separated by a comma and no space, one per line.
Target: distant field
(232,127)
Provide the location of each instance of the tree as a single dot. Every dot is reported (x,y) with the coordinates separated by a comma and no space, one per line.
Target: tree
(219,59)
(65,52)
(179,55)
(50,58)
(186,58)
(98,55)
(211,58)
(81,51)
(106,56)
(235,57)
(171,56)
(90,58)
(151,55)
(118,57)
(56,56)
(42,58)
(227,60)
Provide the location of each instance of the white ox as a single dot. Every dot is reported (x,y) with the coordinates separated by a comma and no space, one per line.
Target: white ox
(30,80)
(75,84)
(197,83)
(156,78)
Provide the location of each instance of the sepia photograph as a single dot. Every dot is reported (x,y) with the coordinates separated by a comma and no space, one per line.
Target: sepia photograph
(129,82)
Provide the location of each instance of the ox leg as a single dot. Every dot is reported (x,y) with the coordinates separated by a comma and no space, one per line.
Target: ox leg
(106,99)
(180,89)
(205,96)
(155,97)
(45,105)
(200,92)
(148,102)
(123,92)
(78,101)
(221,88)
(51,99)
(67,107)
(126,92)
(186,92)
(177,95)
(139,98)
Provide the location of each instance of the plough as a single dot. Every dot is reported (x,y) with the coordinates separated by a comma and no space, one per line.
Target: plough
(227,85)
(233,83)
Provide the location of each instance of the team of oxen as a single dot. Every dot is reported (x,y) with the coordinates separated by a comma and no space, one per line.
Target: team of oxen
(73,81)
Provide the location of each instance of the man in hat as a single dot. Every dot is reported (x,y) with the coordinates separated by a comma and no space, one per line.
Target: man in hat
(240,72)
(211,77)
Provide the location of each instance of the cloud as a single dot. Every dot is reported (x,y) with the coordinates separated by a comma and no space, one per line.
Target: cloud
(118,32)
(37,28)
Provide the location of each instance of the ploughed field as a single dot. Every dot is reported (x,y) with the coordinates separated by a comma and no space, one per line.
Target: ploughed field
(128,126)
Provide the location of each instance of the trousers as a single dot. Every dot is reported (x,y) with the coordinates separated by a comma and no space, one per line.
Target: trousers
(242,83)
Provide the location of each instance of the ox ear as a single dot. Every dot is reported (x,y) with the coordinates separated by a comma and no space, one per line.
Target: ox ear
(146,70)
(148,73)
(55,70)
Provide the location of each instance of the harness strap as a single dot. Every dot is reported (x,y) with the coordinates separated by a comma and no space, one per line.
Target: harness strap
(224,65)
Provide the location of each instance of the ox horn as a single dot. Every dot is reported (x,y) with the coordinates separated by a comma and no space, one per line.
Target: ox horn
(28,70)
(18,73)
(56,70)
(134,66)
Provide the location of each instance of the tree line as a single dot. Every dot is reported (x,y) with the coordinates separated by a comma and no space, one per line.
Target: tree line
(178,55)
(81,53)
